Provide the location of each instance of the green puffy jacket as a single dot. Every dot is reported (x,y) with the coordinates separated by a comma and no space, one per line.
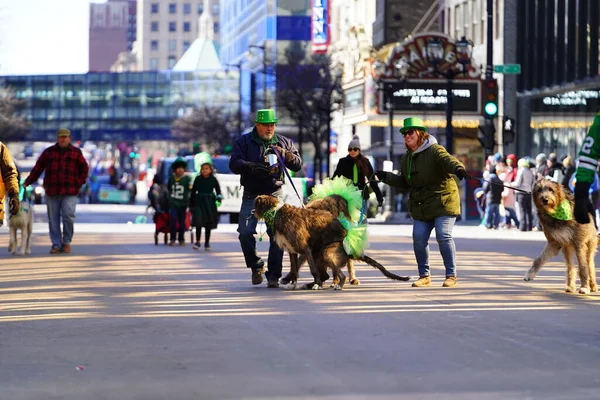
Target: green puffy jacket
(428,175)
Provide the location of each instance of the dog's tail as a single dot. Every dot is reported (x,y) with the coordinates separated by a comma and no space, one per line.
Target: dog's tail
(381,268)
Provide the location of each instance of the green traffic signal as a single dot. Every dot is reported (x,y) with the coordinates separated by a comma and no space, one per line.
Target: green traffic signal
(491,109)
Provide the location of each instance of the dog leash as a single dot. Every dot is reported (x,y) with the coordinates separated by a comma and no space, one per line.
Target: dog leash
(498,184)
(287,174)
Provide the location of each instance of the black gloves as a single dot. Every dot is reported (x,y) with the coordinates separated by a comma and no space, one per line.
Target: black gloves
(382,175)
(286,154)
(258,168)
(462,174)
(583,205)
(14,205)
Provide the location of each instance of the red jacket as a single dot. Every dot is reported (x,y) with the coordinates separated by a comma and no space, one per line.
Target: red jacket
(66,171)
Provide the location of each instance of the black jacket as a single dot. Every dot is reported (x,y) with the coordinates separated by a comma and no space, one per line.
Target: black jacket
(345,168)
(250,149)
(493,192)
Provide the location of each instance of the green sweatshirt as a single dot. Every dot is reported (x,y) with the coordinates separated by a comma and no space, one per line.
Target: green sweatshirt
(179,191)
(589,153)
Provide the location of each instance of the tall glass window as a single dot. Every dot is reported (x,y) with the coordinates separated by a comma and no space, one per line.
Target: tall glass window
(172,45)
(172,8)
(154,8)
(172,27)
(186,27)
(154,26)
(154,45)
(187,8)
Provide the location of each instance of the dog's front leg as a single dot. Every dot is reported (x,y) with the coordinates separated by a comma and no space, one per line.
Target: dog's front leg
(584,271)
(29,230)
(314,270)
(550,250)
(12,241)
(292,277)
(23,239)
(571,270)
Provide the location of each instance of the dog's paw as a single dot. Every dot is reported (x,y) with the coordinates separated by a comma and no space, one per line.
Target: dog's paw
(316,287)
(354,282)
(584,290)
(593,287)
(529,275)
(570,289)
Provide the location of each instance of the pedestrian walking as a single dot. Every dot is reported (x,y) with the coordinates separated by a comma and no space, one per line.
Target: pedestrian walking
(204,199)
(492,188)
(525,180)
(9,183)
(179,192)
(66,171)
(249,159)
(428,172)
(359,170)
(586,173)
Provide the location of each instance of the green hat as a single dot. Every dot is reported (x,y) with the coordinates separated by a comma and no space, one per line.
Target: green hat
(179,162)
(266,116)
(63,132)
(413,123)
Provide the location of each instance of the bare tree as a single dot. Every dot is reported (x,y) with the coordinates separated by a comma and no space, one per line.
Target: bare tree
(310,91)
(212,126)
(12,126)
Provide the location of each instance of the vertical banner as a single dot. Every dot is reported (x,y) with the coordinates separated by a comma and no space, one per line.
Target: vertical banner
(320,35)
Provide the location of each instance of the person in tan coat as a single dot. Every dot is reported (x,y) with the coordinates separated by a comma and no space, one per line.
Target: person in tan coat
(9,183)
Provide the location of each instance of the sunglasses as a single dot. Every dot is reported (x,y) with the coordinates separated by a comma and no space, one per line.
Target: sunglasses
(408,132)
(353,149)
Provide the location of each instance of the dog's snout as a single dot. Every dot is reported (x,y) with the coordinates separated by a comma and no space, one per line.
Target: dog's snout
(544,200)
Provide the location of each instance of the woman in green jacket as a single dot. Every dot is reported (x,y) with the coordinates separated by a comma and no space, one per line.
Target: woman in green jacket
(427,172)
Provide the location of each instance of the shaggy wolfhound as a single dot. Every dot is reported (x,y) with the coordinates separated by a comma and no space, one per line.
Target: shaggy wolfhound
(555,212)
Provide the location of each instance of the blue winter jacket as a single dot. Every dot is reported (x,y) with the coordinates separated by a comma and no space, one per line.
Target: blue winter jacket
(250,148)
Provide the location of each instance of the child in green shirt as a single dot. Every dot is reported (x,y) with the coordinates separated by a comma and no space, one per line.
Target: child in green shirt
(179,190)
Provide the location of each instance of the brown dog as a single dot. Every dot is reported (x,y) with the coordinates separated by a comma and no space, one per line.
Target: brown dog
(336,205)
(313,233)
(555,212)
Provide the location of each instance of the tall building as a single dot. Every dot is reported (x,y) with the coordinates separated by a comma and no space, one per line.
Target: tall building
(167,28)
(397,19)
(109,23)
(132,24)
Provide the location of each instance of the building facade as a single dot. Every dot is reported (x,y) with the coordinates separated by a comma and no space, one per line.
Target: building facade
(167,28)
(108,33)
(127,106)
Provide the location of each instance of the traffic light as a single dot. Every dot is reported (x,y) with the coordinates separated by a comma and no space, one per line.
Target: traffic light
(487,135)
(490,98)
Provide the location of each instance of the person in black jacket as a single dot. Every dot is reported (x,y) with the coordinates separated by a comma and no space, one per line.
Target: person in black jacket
(248,159)
(359,170)
(493,191)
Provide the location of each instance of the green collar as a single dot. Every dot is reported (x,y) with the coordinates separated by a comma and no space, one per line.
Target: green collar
(255,138)
(563,211)
(269,217)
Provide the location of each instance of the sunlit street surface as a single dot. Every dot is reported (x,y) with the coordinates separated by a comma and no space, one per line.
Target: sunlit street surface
(122,318)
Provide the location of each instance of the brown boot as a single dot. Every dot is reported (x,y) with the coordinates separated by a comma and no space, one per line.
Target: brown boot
(450,281)
(66,248)
(422,281)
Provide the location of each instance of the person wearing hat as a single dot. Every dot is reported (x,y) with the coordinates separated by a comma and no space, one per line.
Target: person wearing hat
(248,160)
(66,172)
(179,192)
(428,172)
(358,169)
(9,183)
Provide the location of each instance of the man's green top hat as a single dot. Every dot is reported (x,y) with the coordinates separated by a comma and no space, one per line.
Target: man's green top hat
(413,123)
(266,116)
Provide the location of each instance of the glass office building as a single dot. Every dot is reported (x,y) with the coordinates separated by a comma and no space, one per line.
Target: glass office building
(131,106)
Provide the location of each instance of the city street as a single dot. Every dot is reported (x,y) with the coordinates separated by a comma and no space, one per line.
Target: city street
(121,318)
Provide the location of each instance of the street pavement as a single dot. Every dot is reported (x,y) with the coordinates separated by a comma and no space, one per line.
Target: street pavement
(121,318)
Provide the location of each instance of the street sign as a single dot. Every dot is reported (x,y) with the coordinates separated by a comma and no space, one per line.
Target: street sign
(508,69)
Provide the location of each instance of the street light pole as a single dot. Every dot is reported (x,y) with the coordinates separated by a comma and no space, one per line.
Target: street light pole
(239,116)
(449,111)
(264,52)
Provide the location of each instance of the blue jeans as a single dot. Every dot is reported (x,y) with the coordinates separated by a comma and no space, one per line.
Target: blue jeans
(177,223)
(247,230)
(493,215)
(511,214)
(443,234)
(57,207)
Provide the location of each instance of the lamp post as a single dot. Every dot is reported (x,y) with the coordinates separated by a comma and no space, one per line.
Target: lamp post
(399,71)
(436,56)
(240,122)
(264,52)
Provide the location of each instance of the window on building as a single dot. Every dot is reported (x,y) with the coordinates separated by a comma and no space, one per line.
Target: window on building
(215,9)
(154,8)
(186,45)
(476,18)
(154,45)
(154,64)
(497,25)
(187,8)
(216,27)
(154,26)
(186,27)
(172,45)
(172,27)
(467,19)
(200,8)
(172,60)
(172,8)
(458,22)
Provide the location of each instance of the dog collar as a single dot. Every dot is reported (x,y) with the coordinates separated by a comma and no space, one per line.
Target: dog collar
(563,211)
(269,217)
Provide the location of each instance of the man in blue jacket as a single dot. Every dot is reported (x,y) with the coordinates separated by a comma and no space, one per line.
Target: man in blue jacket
(249,159)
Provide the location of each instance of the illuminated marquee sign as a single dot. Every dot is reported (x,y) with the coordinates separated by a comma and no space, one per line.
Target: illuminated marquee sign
(430,95)
(582,101)
(320,26)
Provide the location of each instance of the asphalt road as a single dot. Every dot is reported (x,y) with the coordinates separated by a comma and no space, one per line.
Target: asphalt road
(120,318)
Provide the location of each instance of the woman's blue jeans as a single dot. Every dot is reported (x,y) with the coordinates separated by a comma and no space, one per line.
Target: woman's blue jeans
(443,234)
